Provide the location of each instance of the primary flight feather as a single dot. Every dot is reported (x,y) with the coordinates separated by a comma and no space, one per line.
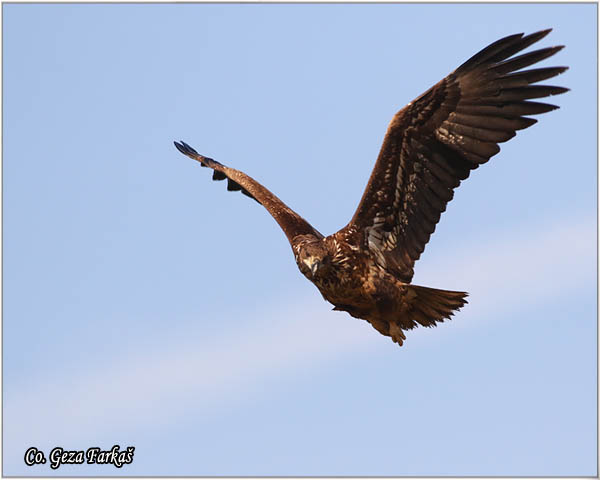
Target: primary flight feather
(431,145)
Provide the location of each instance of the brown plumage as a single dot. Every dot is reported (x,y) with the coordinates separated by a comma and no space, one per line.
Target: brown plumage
(431,145)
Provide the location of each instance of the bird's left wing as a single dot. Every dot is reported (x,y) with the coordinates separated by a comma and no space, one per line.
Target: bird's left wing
(435,141)
(290,222)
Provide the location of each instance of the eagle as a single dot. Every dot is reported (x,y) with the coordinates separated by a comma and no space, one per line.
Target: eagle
(431,145)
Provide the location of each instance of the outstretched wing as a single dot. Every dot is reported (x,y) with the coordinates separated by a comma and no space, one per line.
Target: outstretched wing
(290,222)
(436,140)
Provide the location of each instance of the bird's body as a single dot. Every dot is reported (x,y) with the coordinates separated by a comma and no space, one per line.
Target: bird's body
(353,281)
(431,145)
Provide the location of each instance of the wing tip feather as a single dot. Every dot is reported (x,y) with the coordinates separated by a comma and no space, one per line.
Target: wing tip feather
(187,150)
(218,175)
(193,154)
(539,34)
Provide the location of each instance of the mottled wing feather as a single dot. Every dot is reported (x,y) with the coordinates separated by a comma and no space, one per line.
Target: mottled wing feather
(436,140)
(290,222)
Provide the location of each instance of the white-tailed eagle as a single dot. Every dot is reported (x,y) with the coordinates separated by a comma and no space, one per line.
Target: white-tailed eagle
(431,145)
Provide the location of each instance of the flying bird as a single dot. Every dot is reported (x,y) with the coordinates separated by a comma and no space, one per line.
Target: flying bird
(431,145)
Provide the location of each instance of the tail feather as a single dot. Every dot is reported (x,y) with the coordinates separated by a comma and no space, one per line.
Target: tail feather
(416,306)
(431,305)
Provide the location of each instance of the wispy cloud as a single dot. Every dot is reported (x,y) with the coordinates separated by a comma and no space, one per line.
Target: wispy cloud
(143,386)
(134,390)
(523,268)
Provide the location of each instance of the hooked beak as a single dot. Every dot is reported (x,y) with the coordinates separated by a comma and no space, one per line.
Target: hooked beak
(314,267)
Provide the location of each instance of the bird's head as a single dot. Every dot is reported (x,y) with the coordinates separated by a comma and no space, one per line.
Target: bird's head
(313,259)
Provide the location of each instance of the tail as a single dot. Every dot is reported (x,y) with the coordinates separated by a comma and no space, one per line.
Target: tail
(416,306)
(430,305)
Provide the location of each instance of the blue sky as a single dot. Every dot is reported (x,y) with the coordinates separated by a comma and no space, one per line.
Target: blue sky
(145,305)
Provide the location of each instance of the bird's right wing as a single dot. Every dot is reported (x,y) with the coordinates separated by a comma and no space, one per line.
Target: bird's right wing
(290,222)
